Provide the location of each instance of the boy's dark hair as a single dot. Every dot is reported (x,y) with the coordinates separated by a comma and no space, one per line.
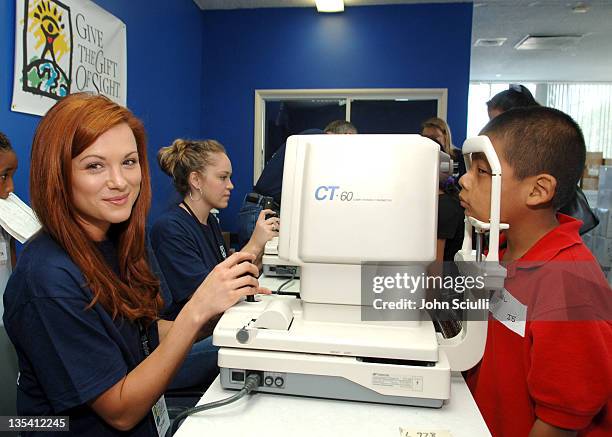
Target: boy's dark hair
(516,96)
(340,127)
(541,140)
(5,144)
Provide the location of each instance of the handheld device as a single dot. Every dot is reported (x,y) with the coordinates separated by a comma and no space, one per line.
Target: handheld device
(269,203)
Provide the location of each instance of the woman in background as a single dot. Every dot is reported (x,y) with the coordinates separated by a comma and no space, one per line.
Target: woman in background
(450,213)
(187,238)
(438,130)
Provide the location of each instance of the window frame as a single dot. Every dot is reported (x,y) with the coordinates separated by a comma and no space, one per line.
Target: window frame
(266,95)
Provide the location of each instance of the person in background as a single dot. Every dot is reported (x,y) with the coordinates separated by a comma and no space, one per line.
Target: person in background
(187,238)
(518,96)
(450,223)
(450,213)
(438,130)
(82,307)
(8,167)
(268,189)
(340,127)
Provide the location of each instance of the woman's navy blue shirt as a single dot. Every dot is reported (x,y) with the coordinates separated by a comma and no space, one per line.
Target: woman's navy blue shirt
(68,355)
(450,225)
(186,251)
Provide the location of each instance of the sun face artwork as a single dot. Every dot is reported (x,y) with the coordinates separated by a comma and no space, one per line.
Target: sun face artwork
(63,47)
(47,47)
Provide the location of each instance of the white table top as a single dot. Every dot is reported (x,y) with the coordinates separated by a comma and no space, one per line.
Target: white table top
(265,414)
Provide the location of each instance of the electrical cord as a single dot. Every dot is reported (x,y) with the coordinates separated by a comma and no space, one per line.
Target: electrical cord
(278,290)
(252,382)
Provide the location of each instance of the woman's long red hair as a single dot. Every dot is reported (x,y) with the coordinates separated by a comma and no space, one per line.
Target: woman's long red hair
(71,126)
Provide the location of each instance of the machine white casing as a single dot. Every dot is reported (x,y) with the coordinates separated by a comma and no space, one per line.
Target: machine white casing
(275,266)
(349,200)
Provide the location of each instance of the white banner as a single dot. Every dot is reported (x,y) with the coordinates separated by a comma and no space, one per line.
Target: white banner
(64,47)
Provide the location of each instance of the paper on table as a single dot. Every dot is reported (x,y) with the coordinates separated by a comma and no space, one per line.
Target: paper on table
(413,432)
(17,218)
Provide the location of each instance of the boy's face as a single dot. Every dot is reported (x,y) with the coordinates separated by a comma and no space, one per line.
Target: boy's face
(476,193)
(8,166)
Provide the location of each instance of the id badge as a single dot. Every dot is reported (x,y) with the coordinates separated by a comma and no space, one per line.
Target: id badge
(160,414)
(3,251)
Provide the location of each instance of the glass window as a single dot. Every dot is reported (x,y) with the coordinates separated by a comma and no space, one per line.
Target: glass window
(290,117)
(281,113)
(391,116)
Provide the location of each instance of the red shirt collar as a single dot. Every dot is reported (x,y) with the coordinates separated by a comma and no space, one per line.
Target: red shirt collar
(548,247)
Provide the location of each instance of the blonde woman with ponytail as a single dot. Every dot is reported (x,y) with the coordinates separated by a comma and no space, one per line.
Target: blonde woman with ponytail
(187,238)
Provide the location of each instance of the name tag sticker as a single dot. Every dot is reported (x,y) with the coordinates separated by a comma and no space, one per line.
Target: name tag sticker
(509,311)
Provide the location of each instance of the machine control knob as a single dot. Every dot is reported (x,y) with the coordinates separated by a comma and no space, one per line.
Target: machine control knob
(243,336)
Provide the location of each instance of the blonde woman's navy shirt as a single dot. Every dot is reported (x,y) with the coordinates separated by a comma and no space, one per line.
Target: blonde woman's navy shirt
(186,251)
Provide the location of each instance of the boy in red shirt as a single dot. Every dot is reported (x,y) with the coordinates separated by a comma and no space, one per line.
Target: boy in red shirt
(547,365)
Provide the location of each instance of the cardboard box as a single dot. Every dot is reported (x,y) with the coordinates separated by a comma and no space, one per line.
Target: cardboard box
(607,162)
(590,183)
(591,171)
(592,163)
(594,158)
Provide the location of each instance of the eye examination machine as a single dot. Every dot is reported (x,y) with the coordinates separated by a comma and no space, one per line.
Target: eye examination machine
(352,203)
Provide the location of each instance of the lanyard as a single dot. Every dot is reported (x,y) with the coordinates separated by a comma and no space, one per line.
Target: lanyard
(160,417)
(214,245)
(144,340)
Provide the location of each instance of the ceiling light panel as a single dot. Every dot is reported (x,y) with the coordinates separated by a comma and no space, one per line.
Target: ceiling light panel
(330,5)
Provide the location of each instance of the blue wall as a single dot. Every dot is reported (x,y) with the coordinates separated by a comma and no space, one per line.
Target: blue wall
(400,46)
(193,74)
(164,46)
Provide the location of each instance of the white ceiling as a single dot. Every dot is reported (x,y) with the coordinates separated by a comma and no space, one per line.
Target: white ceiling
(589,61)
(253,4)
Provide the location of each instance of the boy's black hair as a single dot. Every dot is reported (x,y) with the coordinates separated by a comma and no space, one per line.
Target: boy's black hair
(5,144)
(516,96)
(541,140)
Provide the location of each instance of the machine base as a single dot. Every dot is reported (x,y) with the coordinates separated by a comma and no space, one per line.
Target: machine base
(334,377)
(318,386)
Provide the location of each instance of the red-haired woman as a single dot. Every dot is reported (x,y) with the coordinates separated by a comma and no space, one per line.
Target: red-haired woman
(82,305)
